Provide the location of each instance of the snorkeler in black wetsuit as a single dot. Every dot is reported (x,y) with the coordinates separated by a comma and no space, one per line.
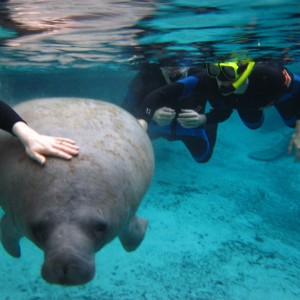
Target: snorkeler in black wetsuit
(37,146)
(199,141)
(247,87)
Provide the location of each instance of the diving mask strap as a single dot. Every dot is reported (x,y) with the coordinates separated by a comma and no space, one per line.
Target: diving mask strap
(166,76)
(183,71)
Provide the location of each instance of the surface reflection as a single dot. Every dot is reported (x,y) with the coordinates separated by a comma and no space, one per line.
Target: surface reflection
(55,31)
(78,33)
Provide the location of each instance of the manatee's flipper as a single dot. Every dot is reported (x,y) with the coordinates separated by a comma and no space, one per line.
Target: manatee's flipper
(134,233)
(275,151)
(9,237)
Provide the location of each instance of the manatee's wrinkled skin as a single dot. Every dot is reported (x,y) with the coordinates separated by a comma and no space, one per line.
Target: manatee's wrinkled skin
(71,209)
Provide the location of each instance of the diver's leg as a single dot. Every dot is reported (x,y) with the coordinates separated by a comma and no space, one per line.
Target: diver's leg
(253,119)
(211,133)
(199,148)
(287,110)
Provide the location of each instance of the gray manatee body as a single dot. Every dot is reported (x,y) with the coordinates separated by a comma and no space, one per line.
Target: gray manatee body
(71,209)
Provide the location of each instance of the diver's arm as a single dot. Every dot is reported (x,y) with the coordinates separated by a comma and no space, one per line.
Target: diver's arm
(37,146)
(167,95)
(161,97)
(8,117)
(189,118)
(219,113)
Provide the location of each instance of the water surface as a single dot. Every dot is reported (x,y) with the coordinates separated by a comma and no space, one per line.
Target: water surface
(77,33)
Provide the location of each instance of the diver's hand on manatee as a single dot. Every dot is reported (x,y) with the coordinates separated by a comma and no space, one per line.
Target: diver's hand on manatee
(39,146)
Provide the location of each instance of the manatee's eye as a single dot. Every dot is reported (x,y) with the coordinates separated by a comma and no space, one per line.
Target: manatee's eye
(99,228)
(39,231)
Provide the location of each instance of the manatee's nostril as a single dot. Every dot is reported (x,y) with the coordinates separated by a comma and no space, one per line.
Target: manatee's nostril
(65,274)
(57,273)
(70,270)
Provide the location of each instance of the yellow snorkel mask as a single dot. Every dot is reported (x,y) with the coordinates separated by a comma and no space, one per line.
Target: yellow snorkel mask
(230,71)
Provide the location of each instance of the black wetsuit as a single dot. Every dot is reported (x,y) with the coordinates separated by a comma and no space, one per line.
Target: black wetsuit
(199,141)
(8,117)
(268,84)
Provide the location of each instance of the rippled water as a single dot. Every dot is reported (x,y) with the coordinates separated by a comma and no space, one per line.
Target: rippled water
(84,33)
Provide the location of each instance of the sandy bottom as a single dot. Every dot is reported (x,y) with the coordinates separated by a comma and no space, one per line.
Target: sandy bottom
(228,229)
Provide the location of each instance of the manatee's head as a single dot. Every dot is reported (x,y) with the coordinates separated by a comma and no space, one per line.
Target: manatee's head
(69,242)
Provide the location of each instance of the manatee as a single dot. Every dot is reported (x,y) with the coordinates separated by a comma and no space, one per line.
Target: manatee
(71,209)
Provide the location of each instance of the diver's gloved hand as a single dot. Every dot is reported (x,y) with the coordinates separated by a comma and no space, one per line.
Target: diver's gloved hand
(188,118)
(164,116)
(295,142)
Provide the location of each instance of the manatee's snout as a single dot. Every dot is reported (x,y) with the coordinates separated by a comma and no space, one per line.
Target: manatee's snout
(68,268)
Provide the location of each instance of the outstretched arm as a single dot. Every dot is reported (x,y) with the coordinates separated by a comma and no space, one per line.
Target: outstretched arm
(37,146)
(8,117)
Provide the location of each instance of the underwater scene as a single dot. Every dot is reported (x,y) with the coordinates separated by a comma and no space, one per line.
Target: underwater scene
(223,224)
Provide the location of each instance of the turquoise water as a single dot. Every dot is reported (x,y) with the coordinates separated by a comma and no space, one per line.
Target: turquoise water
(228,229)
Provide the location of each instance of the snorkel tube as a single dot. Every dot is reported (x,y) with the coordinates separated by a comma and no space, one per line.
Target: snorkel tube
(244,75)
(230,88)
